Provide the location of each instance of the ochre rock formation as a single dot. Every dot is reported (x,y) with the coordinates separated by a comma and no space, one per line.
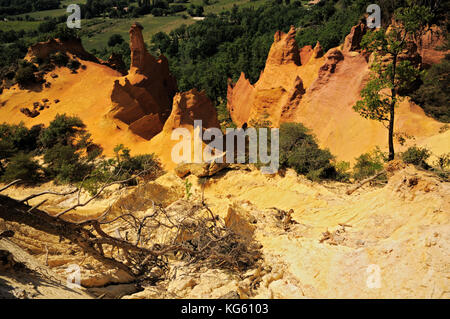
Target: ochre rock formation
(308,52)
(276,95)
(305,54)
(353,39)
(284,49)
(428,45)
(332,58)
(43,50)
(115,61)
(187,107)
(116,109)
(143,98)
(320,93)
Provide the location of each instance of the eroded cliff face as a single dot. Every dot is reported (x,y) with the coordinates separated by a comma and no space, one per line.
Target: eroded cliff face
(320,91)
(187,107)
(73,47)
(190,106)
(276,95)
(429,44)
(143,98)
(118,106)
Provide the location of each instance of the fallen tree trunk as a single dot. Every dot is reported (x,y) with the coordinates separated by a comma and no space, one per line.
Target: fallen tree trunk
(15,211)
(351,191)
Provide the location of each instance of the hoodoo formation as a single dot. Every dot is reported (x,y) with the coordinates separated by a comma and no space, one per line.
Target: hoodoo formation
(116,109)
(279,89)
(320,91)
(143,98)
(187,107)
(297,85)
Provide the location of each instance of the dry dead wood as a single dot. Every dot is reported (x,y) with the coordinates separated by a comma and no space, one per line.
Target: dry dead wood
(367,180)
(10,184)
(208,238)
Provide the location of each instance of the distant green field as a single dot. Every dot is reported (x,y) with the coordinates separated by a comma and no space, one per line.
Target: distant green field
(96,32)
(101,31)
(53,13)
(19,25)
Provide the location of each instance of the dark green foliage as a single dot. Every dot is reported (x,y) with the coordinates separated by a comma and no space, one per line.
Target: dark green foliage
(63,33)
(434,94)
(157,12)
(69,155)
(123,49)
(59,58)
(120,168)
(327,25)
(16,139)
(47,26)
(416,156)
(115,39)
(74,65)
(19,137)
(22,166)
(126,165)
(299,150)
(368,164)
(13,7)
(63,164)
(25,73)
(68,149)
(62,130)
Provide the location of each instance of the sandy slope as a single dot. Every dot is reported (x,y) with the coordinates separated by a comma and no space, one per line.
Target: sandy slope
(401,229)
(86,94)
(32,279)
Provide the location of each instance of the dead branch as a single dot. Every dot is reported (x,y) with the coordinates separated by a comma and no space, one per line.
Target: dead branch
(26,199)
(36,206)
(351,191)
(79,204)
(10,184)
(15,211)
(196,235)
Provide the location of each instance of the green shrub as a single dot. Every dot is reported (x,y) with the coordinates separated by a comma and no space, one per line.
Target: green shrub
(188,186)
(434,93)
(299,150)
(47,26)
(368,164)
(126,165)
(343,171)
(59,58)
(68,149)
(115,39)
(73,65)
(62,130)
(22,166)
(61,163)
(442,166)
(19,137)
(416,156)
(25,73)
(443,161)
